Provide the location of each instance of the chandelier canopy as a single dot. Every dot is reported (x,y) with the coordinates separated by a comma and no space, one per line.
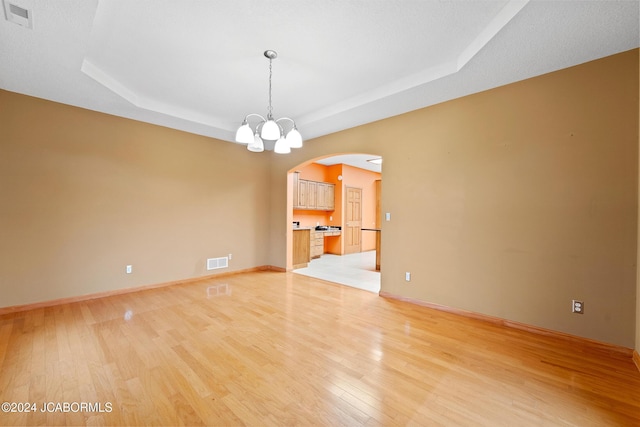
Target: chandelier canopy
(269,129)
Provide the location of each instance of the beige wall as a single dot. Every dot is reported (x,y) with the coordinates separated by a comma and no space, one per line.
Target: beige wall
(84,194)
(511,202)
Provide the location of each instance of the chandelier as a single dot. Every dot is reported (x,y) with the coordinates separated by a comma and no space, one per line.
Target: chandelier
(269,129)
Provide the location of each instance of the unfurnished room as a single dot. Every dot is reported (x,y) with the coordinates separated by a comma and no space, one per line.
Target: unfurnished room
(327,213)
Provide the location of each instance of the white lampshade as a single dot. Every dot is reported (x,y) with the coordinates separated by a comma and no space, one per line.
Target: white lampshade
(282,147)
(244,134)
(257,145)
(294,139)
(270,130)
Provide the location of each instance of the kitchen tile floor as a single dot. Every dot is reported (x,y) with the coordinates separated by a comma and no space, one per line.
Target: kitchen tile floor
(355,270)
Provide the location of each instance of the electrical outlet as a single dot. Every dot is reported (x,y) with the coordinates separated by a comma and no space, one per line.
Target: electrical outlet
(577,306)
(129,269)
(230,256)
(407,276)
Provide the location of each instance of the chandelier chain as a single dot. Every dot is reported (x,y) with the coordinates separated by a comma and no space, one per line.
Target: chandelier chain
(270,115)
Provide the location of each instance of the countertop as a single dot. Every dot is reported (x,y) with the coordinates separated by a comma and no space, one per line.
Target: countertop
(332,230)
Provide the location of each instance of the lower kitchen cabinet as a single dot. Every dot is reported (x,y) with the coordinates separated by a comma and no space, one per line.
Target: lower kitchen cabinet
(317,241)
(316,244)
(301,247)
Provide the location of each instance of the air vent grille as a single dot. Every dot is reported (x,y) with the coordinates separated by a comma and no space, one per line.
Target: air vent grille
(18,15)
(215,263)
(23,13)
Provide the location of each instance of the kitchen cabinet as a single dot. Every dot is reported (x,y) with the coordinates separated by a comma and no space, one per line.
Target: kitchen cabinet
(325,196)
(316,241)
(313,195)
(302,191)
(321,194)
(301,247)
(330,197)
(316,244)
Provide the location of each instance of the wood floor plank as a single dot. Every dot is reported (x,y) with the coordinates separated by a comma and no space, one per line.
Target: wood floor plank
(284,349)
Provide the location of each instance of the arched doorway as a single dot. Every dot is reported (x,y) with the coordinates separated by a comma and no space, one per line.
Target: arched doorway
(337,199)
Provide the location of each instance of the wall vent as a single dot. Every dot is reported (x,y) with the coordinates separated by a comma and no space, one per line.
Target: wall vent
(18,14)
(214,263)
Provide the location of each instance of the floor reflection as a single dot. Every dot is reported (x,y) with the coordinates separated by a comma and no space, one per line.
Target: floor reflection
(218,290)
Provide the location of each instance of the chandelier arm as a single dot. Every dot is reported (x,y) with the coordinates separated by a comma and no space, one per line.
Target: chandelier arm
(254,114)
(287,118)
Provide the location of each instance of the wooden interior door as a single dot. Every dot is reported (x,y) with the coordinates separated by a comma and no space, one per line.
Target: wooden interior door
(353,221)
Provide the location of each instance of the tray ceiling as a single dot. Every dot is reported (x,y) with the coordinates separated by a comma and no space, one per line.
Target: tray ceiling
(197,66)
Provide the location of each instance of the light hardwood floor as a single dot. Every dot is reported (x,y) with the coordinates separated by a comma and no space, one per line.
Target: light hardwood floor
(271,348)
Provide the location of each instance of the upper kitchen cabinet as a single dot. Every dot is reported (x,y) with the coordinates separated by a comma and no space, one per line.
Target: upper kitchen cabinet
(313,195)
(326,196)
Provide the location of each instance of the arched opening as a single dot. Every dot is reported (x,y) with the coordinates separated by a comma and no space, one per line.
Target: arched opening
(333,212)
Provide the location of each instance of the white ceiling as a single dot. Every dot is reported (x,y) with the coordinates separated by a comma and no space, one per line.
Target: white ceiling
(198,65)
(358,160)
